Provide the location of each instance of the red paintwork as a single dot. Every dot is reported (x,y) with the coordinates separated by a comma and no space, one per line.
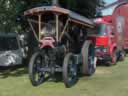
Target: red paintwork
(47,42)
(103,41)
(99,40)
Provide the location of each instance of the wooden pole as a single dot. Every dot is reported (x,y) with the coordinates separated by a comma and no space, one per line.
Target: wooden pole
(57,27)
(39,20)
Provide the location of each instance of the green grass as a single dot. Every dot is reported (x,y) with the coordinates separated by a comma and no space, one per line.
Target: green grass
(107,81)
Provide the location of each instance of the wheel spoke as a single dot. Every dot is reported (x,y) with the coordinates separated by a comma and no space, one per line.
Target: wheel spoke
(69,70)
(72,73)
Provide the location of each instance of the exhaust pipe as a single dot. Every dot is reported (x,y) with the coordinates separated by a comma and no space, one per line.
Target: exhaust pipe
(55,2)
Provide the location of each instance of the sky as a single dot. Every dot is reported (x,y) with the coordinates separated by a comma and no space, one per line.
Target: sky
(109,1)
(109,11)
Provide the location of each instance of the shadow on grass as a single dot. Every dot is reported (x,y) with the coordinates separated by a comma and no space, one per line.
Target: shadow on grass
(58,78)
(102,64)
(17,71)
(14,71)
(126,50)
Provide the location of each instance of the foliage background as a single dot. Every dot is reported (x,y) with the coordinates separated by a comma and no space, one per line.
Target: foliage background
(10,10)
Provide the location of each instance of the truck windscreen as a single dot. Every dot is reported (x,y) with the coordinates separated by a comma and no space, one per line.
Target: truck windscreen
(99,30)
(8,43)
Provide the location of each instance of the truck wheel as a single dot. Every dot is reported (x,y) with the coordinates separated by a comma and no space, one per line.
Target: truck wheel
(122,55)
(69,70)
(36,75)
(113,58)
(88,58)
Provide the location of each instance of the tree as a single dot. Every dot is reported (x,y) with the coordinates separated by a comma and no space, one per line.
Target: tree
(11,9)
(8,13)
(86,8)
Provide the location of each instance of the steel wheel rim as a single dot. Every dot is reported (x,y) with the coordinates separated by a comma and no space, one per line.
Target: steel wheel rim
(37,73)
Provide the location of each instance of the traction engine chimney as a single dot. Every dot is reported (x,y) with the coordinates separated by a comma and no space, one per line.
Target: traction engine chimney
(55,2)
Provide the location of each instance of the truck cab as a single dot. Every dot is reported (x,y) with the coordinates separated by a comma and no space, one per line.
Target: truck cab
(104,39)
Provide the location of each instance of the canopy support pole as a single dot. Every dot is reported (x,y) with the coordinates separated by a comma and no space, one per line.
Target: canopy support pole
(65,27)
(33,30)
(57,27)
(39,20)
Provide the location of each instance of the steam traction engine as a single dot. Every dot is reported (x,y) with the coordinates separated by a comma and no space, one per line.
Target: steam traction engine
(61,36)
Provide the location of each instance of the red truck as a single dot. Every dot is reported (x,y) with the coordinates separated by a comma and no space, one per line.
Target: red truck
(111,35)
(104,38)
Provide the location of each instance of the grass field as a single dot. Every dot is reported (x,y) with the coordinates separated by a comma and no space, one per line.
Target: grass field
(107,81)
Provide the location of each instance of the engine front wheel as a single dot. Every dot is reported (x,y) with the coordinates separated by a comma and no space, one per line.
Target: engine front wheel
(36,74)
(69,70)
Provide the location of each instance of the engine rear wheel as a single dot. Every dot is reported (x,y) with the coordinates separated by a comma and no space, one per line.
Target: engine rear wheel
(69,70)
(36,75)
(88,58)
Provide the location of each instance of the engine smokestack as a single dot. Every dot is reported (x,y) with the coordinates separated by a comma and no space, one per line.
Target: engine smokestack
(55,2)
